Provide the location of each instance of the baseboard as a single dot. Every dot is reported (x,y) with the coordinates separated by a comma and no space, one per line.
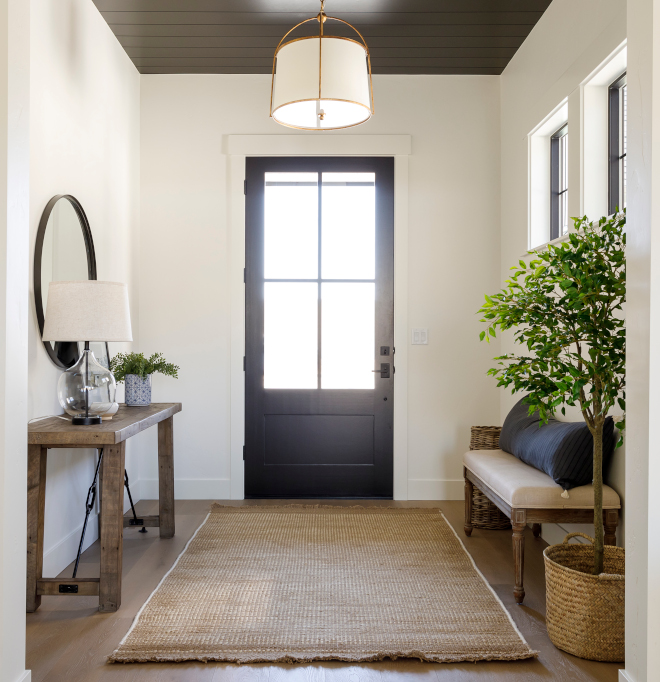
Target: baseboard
(554,534)
(25,677)
(435,489)
(60,555)
(189,489)
(625,676)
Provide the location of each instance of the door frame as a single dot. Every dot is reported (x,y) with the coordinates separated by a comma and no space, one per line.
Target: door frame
(238,148)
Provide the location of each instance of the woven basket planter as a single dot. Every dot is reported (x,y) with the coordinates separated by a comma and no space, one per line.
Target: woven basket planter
(484,513)
(585,612)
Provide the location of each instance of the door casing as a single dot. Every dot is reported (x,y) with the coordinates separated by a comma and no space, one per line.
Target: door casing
(238,148)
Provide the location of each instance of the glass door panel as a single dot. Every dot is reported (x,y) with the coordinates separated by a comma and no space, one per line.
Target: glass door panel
(348,336)
(291,226)
(290,335)
(348,225)
(346,307)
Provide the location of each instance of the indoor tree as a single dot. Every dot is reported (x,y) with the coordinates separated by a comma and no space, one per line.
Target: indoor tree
(565,306)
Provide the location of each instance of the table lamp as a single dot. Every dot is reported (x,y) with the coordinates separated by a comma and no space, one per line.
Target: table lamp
(87,311)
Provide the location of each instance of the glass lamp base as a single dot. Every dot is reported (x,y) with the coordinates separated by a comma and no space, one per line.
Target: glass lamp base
(86,391)
(87,421)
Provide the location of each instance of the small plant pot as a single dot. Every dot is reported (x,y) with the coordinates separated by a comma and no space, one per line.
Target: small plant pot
(585,612)
(138,390)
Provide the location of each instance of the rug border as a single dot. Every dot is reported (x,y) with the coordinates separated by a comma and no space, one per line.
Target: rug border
(212,657)
(216,507)
(160,582)
(490,587)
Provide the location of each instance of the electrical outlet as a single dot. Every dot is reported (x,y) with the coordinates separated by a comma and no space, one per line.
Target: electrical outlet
(420,337)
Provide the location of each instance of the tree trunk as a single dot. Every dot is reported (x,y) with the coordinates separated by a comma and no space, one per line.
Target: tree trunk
(599,532)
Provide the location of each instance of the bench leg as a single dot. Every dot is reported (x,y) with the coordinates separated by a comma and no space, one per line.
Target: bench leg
(519,522)
(468,507)
(610,521)
(536,529)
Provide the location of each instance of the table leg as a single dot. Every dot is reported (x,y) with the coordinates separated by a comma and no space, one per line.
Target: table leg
(35,523)
(99,490)
(112,526)
(166,477)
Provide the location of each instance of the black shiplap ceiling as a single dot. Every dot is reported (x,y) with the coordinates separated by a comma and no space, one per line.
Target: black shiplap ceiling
(240,36)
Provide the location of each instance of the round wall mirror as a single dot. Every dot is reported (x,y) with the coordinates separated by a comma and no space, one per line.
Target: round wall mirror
(64,251)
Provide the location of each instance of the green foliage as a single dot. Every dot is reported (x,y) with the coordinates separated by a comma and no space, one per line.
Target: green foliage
(135,363)
(566,308)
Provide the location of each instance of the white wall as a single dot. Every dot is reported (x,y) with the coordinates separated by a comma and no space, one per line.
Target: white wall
(14,255)
(643,370)
(571,40)
(453,260)
(85,141)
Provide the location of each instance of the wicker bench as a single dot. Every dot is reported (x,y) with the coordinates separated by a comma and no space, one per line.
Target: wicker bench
(518,494)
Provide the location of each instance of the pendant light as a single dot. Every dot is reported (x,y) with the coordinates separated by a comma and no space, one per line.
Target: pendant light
(321,82)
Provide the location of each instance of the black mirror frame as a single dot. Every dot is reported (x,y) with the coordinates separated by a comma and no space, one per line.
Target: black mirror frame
(38,251)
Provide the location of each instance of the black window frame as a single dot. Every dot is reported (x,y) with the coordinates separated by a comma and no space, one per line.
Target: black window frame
(614,155)
(556,194)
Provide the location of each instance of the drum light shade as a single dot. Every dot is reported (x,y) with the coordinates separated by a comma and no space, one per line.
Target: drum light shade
(87,310)
(321,82)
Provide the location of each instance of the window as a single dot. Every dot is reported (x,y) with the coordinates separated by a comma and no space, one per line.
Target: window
(618,118)
(559,183)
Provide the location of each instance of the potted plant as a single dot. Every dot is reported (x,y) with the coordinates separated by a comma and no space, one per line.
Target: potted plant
(565,306)
(136,370)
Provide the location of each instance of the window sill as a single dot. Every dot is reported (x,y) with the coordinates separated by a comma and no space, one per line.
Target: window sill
(559,240)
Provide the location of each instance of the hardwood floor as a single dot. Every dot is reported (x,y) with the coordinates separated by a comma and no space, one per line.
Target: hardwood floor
(68,639)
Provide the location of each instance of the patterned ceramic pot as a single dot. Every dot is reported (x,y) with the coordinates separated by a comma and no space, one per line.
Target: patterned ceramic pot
(137,391)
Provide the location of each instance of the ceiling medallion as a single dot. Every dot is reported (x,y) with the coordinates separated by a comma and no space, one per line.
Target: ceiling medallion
(321,82)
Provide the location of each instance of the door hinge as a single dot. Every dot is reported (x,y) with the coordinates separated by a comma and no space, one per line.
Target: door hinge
(245,187)
(244,276)
(244,452)
(244,363)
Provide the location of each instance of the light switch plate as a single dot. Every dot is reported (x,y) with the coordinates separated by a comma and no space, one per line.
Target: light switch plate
(420,337)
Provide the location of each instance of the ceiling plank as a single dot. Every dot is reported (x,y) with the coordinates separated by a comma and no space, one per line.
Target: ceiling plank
(416,71)
(397,42)
(311,7)
(367,30)
(240,36)
(185,18)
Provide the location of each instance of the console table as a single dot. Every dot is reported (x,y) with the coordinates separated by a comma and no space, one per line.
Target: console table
(111,436)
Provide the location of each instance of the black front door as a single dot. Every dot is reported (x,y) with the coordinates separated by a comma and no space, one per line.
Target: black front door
(319,371)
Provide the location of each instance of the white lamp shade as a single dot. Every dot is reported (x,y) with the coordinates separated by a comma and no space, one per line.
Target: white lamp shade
(87,311)
(341,88)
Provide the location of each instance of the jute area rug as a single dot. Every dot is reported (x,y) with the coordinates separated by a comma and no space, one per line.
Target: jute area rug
(289,584)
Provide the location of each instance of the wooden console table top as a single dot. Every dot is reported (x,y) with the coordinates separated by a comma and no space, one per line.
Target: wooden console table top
(55,432)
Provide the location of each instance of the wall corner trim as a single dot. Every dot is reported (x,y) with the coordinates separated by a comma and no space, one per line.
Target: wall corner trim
(25,677)
(625,676)
(319,145)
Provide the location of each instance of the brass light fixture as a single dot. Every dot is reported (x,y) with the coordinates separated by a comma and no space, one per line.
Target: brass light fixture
(321,82)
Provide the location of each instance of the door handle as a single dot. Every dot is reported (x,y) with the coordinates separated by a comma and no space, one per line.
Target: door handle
(384,370)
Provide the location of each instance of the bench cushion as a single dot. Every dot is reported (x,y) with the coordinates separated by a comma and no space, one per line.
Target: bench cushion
(520,485)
